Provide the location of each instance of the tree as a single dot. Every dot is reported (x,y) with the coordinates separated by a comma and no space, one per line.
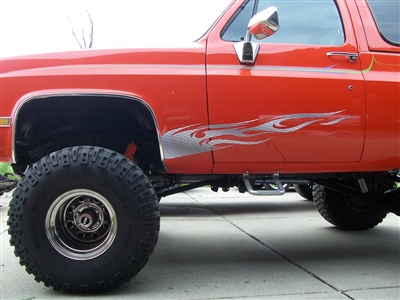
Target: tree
(87,41)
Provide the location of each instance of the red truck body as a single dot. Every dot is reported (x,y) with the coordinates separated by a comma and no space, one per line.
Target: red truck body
(323,112)
(200,88)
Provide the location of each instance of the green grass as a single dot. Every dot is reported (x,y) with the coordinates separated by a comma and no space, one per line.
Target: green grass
(5,168)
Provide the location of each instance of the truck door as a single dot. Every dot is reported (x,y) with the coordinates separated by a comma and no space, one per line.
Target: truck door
(303,100)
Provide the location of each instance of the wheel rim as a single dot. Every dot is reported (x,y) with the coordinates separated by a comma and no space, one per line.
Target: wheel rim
(358,204)
(81,224)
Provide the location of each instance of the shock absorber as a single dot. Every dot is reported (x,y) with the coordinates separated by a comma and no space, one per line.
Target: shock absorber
(130,151)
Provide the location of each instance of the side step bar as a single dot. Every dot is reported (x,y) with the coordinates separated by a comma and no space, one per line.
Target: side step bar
(278,192)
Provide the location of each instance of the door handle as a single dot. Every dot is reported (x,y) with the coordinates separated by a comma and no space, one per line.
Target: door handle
(351,56)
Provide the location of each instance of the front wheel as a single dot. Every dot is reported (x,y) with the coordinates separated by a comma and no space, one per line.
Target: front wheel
(84,219)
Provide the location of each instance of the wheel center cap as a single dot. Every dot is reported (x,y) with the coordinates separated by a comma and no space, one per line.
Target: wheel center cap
(85,221)
(88,217)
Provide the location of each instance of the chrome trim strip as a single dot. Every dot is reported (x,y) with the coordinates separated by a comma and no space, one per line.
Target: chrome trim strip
(115,66)
(328,69)
(89,94)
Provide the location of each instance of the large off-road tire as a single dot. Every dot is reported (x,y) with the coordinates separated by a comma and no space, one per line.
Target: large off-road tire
(304,190)
(345,212)
(83,220)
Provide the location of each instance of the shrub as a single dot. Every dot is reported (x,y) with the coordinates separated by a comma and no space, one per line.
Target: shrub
(5,168)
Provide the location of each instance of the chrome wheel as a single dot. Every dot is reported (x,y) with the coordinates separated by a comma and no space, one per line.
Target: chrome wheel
(81,224)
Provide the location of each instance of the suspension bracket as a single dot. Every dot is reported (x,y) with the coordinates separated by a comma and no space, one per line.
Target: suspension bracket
(7,184)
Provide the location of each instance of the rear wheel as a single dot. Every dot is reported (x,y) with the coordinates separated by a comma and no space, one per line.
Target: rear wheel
(346,212)
(84,219)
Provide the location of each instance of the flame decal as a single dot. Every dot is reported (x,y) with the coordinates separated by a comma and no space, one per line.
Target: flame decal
(196,138)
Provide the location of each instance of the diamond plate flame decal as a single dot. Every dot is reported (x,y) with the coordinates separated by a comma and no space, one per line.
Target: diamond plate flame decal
(196,138)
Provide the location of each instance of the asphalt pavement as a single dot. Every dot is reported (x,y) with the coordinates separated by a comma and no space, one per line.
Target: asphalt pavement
(238,246)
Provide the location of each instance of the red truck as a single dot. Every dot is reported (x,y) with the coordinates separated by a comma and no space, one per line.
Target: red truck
(303,92)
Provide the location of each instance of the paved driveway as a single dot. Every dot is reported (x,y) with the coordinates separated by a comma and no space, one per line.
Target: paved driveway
(236,246)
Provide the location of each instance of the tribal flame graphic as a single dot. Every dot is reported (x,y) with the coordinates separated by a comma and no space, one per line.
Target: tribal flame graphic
(196,138)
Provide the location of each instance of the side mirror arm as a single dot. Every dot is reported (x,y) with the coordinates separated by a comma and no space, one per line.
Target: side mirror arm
(246,52)
(261,25)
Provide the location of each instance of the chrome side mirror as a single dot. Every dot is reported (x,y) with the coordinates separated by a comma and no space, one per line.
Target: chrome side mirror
(261,25)
(265,23)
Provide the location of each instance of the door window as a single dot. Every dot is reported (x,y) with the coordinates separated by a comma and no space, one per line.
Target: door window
(301,22)
(387,17)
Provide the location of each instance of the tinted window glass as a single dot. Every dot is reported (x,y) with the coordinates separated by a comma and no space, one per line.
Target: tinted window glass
(301,22)
(387,18)
(237,28)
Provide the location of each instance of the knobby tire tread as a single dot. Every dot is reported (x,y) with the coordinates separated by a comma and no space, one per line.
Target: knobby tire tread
(125,171)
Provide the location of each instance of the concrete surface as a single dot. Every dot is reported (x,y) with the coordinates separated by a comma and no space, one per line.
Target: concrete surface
(237,246)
